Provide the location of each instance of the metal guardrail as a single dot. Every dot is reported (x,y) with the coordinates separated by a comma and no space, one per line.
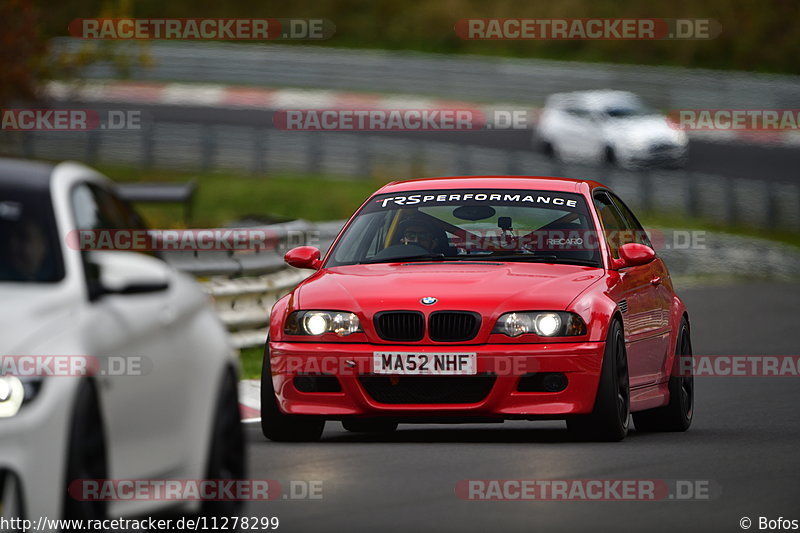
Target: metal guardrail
(449,76)
(245,149)
(244,285)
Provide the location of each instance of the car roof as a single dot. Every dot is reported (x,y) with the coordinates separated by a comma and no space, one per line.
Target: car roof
(23,173)
(540,183)
(599,99)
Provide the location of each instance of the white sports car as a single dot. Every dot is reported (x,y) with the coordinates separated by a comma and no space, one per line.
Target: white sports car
(162,401)
(608,126)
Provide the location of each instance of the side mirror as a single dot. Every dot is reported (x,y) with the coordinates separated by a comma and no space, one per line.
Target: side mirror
(634,254)
(128,272)
(303,257)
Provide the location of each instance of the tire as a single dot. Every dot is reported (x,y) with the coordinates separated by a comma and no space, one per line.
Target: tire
(547,149)
(12,498)
(278,426)
(609,156)
(677,414)
(369,425)
(609,420)
(86,454)
(226,458)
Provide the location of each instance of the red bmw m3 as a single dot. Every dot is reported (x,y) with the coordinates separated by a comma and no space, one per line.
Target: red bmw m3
(469,299)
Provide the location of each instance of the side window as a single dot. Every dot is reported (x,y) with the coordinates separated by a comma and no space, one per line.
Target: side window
(638,234)
(614,226)
(86,210)
(96,208)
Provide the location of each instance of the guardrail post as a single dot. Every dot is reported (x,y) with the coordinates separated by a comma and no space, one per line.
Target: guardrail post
(148,142)
(513,166)
(646,181)
(92,146)
(364,156)
(692,193)
(315,147)
(28,144)
(732,215)
(464,163)
(773,218)
(260,144)
(208,147)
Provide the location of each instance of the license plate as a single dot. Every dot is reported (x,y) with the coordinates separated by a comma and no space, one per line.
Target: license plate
(449,364)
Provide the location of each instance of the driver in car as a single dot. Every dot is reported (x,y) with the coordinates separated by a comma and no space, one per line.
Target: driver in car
(415,233)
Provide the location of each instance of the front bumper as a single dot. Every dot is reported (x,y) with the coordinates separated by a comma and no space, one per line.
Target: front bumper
(657,155)
(502,364)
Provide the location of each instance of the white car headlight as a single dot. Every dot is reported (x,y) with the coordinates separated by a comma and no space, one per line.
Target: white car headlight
(542,323)
(547,324)
(320,322)
(12,394)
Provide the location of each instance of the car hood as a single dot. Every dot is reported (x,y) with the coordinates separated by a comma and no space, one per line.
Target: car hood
(488,288)
(30,314)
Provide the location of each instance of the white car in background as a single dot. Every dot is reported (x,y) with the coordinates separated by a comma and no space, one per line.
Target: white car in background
(174,416)
(608,126)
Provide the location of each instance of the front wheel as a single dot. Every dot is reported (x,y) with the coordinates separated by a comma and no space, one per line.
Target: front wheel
(277,426)
(227,457)
(86,455)
(608,421)
(677,414)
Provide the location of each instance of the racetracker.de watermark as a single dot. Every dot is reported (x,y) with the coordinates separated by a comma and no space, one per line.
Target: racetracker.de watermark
(379,119)
(38,119)
(570,29)
(767,120)
(207,29)
(194,490)
(35,366)
(586,489)
(760,366)
(165,240)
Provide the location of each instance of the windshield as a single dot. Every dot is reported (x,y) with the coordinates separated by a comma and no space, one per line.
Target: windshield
(29,247)
(469,224)
(627,110)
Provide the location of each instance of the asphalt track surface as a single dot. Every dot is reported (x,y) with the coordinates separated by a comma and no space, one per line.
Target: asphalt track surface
(744,440)
(733,159)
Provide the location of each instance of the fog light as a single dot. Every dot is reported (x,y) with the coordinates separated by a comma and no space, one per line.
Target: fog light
(555,382)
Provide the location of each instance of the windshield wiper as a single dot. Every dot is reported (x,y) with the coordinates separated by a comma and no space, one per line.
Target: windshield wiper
(537,259)
(403,259)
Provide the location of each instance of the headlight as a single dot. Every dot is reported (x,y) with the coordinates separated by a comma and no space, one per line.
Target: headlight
(542,323)
(12,393)
(320,322)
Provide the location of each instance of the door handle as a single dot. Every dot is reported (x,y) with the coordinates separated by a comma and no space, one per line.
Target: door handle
(656,280)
